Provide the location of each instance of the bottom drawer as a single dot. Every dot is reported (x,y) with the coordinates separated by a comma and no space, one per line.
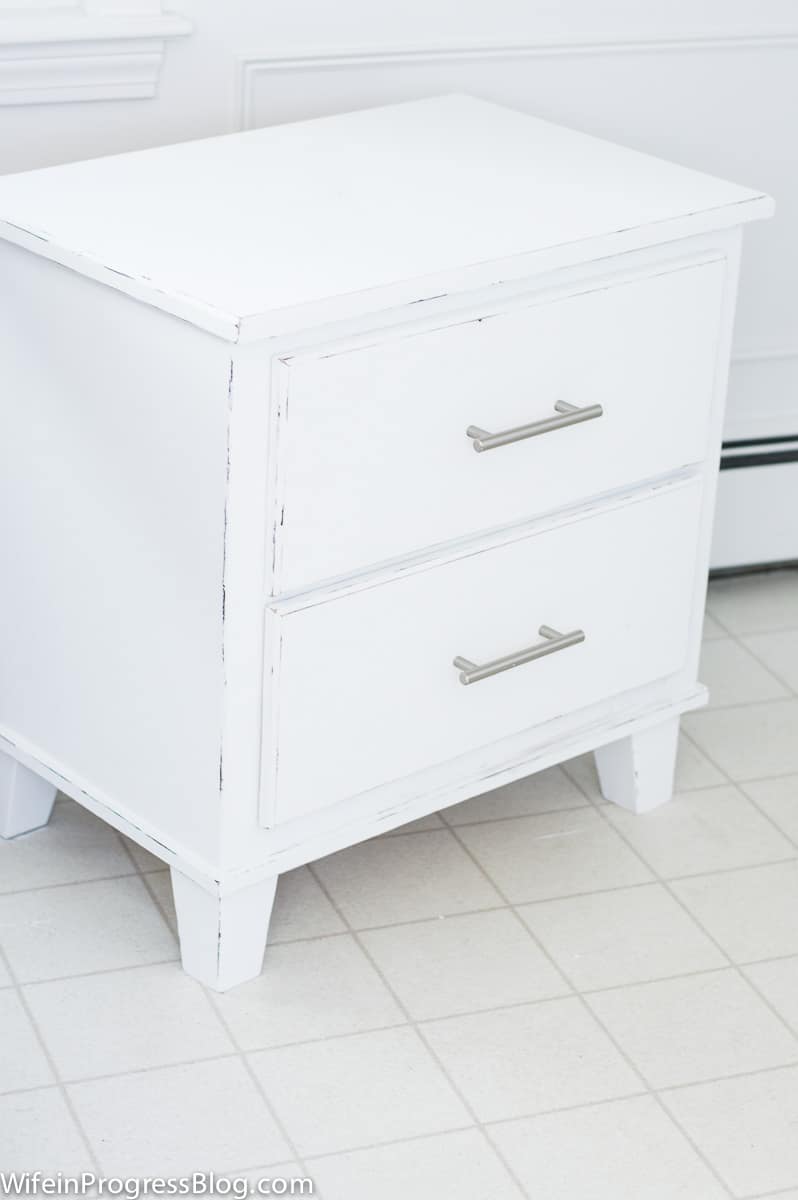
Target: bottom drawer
(365,690)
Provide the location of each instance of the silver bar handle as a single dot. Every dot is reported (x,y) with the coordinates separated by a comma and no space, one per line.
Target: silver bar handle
(571,415)
(553,641)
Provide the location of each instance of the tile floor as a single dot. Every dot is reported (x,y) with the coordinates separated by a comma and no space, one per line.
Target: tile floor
(567,1002)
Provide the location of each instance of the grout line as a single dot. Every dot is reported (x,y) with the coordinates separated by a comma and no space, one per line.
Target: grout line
(700,925)
(773,958)
(785,683)
(52,887)
(526,1116)
(691,916)
(420,1021)
(738,967)
(767,817)
(153,895)
(740,786)
(237,1050)
(342,933)
(708,612)
(601,1025)
(794,692)
(625,887)
(259,1088)
(737,638)
(413,1024)
(79,1080)
(158,962)
(789,1191)
(784,833)
(755,986)
(58,1083)
(544,812)
(740,783)
(766,862)
(326,1037)
(727,870)
(686,1087)
(413,1137)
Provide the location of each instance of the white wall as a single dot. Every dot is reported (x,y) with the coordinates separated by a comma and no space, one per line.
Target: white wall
(710,83)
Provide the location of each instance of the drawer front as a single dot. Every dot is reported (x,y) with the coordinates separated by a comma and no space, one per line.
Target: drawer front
(365,690)
(373,457)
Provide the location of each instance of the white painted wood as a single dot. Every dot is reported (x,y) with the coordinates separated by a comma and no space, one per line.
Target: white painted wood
(368,679)
(143,464)
(636,772)
(388,419)
(91,51)
(26,799)
(710,472)
(407,185)
(374,812)
(113,471)
(222,938)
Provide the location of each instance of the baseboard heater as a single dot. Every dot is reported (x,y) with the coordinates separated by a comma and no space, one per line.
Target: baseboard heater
(759,452)
(756,521)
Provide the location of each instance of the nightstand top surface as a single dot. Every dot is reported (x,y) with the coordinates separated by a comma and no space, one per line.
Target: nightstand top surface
(256,233)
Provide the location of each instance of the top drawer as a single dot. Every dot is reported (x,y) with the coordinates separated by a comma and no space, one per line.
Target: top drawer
(373,457)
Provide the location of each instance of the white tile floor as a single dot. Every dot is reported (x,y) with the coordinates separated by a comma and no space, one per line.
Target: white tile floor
(534,994)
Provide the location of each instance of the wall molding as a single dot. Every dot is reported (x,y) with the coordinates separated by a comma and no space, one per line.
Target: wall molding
(65,55)
(253,64)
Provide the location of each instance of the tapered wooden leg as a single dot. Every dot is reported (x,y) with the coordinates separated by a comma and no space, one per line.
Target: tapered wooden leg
(222,938)
(26,800)
(637,772)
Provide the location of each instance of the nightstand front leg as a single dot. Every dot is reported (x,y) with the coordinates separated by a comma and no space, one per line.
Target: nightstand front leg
(222,938)
(26,800)
(637,772)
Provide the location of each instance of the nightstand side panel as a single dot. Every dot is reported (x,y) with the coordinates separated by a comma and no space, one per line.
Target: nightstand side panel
(113,483)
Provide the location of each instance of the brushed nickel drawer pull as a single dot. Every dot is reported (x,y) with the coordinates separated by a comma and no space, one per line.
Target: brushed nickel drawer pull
(554,641)
(571,415)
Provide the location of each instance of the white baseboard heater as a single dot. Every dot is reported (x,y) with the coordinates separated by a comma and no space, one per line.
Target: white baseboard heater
(756,520)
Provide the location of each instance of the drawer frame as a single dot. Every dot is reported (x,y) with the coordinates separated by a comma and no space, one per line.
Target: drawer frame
(723,246)
(532,294)
(525,537)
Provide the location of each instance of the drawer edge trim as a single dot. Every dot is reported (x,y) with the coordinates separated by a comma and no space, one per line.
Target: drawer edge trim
(441,553)
(359,817)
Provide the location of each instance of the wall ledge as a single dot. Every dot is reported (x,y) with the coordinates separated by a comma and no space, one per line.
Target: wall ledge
(48,57)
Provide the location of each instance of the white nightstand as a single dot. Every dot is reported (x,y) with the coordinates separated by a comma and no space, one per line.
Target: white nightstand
(251,555)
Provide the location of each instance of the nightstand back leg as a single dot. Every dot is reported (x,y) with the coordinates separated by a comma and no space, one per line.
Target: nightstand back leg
(26,800)
(222,938)
(637,772)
